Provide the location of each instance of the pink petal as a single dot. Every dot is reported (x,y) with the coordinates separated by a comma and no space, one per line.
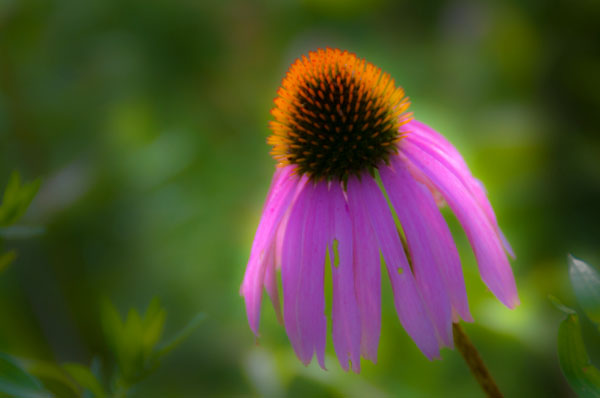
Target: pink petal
(436,263)
(493,264)
(403,193)
(478,191)
(291,268)
(435,144)
(435,140)
(270,283)
(346,328)
(367,281)
(302,272)
(366,196)
(278,200)
(280,234)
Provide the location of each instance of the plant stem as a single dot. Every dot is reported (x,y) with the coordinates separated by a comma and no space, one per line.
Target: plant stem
(475,363)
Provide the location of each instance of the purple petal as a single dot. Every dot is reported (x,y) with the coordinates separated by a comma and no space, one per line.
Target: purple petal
(315,246)
(291,268)
(279,235)
(478,191)
(278,200)
(435,144)
(437,141)
(405,196)
(367,281)
(345,317)
(493,264)
(436,263)
(366,196)
(302,272)
(280,194)
(270,283)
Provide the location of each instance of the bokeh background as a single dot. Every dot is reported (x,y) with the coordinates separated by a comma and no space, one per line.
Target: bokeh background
(147,120)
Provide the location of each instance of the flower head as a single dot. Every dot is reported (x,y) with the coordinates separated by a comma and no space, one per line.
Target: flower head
(338,121)
(336,115)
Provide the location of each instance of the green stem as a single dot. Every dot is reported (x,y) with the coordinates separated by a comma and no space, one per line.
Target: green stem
(475,363)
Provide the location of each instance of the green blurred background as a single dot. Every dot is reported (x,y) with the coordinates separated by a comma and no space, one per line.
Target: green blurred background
(146,121)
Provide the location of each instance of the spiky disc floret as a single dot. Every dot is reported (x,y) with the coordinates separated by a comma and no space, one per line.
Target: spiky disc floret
(336,115)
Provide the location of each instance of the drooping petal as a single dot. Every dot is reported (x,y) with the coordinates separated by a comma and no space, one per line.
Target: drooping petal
(270,283)
(280,193)
(493,263)
(434,143)
(478,191)
(315,245)
(274,263)
(279,236)
(302,272)
(346,328)
(367,281)
(403,193)
(278,200)
(366,196)
(291,267)
(437,141)
(436,262)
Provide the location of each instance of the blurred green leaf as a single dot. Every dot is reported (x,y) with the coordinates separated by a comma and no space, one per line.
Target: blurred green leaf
(15,202)
(153,326)
(21,232)
(123,339)
(53,376)
(96,368)
(111,324)
(16,382)
(130,348)
(180,336)
(575,363)
(16,199)
(586,283)
(7,258)
(85,378)
(559,305)
(134,341)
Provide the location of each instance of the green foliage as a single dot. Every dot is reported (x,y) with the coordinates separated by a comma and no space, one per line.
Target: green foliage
(54,378)
(17,198)
(16,382)
(7,258)
(583,377)
(586,283)
(575,362)
(179,337)
(148,121)
(134,343)
(15,202)
(85,378)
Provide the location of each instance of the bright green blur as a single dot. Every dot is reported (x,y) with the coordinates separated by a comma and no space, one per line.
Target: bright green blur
(146,122)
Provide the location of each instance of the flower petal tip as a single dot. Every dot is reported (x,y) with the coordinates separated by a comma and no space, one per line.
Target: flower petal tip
(433,356)
(468,318)
(322,363)
(431,353)
(510,301)
(464,315)
(372,358)
(254,329)
(515,302)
